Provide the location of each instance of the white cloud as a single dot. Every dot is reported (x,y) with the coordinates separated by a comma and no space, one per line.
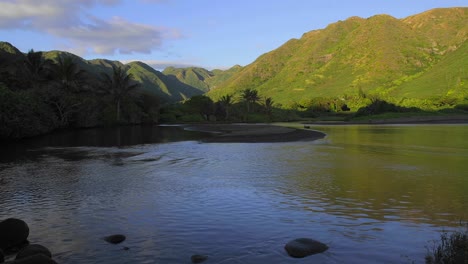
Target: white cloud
(69,20)
(116,35)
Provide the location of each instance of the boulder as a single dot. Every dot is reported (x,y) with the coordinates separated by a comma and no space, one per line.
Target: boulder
(303,247)
(35,259)
(13,232)
(198,258)
(115,239)
(32,250)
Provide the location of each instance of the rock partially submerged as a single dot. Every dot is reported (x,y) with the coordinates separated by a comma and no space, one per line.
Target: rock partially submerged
(35,259)
(198,258)
(33,249)
(115,239)
(13,233)
(303,247)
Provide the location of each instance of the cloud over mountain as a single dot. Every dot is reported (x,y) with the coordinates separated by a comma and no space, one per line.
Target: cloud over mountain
(71,21)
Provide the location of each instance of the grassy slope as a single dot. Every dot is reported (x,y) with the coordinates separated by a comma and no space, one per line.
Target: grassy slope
(381,55)
(151,80)
(200,78)
(449,77)
(192,76)
(156,82)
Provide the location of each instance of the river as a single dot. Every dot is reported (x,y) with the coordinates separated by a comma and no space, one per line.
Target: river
(374,194)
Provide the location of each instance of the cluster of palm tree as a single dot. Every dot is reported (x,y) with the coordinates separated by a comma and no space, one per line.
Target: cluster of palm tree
(64,91)
(229,107)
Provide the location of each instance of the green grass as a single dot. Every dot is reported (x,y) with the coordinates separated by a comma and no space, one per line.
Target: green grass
(382,55)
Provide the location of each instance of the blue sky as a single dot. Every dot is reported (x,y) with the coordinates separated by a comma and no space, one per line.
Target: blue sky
(205,33)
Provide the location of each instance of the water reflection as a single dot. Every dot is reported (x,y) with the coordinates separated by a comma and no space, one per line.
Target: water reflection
(363,190)
(405,173)
(95,137)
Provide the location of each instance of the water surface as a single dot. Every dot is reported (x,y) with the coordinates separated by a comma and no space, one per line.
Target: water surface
(374,194)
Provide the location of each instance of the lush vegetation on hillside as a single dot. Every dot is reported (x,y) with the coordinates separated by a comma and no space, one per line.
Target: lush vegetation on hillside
(352,69)
(38,95)
(415,61)
(200,78)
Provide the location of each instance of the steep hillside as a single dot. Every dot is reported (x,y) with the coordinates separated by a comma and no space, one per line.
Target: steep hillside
(192,76)
(156,82)
(9,55)
(200,78)
(380,54)
(169,89)
(220,76)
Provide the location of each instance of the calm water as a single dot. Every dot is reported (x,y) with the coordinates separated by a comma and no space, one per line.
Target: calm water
(374,194)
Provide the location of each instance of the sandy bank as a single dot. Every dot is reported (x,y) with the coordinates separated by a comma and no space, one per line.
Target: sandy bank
(253,133)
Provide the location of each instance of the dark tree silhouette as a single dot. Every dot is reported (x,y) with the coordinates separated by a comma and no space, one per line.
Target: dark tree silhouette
(268,104)
(35,69)
(226,102)
(68,74)
(118,85)
(250,96)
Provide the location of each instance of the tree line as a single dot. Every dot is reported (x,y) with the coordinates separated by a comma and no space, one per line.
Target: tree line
(246,106)
(38,95)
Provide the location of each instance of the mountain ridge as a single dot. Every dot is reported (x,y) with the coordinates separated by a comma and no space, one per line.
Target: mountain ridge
(371,54)
(379,55)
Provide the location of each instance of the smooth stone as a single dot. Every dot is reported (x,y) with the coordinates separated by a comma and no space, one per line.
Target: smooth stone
(32,250)
(198,258)
(115,239)
(14,232)
(35,259)
(303,247)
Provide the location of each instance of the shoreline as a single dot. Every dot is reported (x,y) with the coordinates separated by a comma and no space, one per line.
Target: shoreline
(253,133)
(416,120)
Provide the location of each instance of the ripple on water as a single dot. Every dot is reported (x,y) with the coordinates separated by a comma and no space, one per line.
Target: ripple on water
(237,203)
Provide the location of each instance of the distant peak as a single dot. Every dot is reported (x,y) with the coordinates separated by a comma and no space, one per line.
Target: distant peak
(382,17)
(7,47)
(354,18)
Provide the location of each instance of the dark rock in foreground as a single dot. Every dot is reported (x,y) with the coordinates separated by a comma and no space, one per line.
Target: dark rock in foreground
(198,258)
(2,256)
(303,247)
(35,259)
(32,250)
(115,239)
(13,232)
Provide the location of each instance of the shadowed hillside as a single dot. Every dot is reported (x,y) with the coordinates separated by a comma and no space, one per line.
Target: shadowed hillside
(200,78)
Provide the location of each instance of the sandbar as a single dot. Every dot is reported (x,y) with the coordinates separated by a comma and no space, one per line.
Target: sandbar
(253,133)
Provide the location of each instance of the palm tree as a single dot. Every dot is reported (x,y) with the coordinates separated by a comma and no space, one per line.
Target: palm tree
(35,68)
(250,96)
(268,104)
(67,73)
(226,101)
(118,85)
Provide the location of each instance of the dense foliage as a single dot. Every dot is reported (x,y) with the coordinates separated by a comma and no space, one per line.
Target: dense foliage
(352,69)
(38,95)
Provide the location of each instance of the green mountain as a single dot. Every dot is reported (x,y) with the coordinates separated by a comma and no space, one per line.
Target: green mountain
(200,78)
(420,56)
(167,88)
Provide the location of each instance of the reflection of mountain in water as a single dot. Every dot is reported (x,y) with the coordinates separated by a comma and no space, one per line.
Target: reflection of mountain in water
(401,173)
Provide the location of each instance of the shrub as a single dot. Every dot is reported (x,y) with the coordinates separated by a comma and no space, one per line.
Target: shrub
(452,248)
(463,107)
